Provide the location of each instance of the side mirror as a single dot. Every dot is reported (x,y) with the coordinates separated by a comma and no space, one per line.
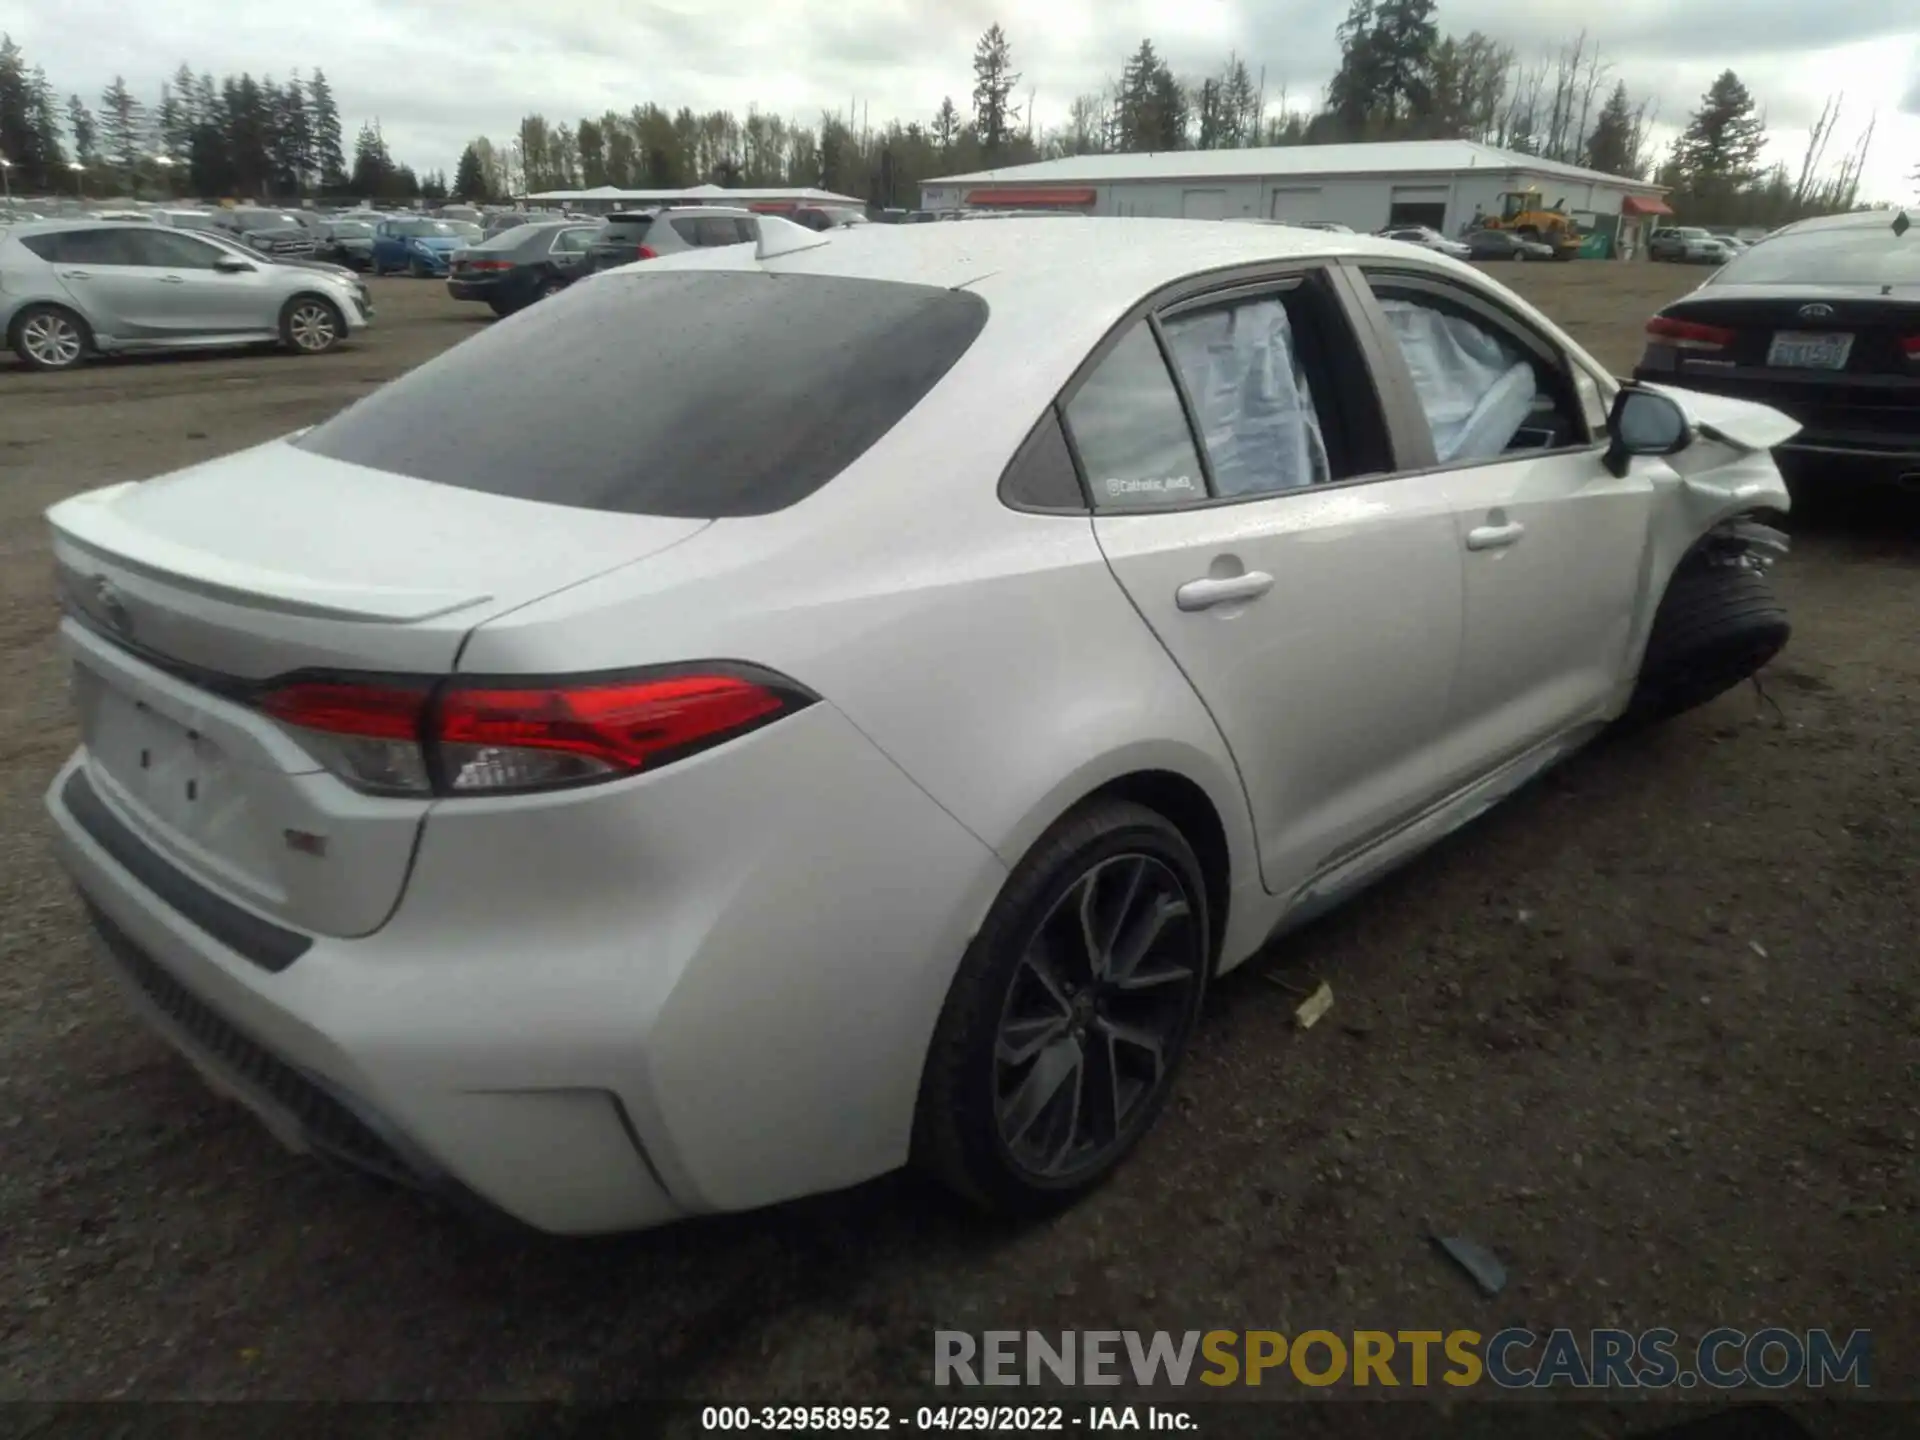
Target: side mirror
(1644,422)
(231,265)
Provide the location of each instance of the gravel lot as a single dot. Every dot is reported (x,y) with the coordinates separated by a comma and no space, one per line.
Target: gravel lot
(1652,1031)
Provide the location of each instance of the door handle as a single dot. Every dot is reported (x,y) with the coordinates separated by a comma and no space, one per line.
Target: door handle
(1205,594)
(172,280)
(1494,537)
(76,274)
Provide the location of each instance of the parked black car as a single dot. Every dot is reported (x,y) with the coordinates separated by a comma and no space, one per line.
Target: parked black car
(827,217)
(1505,245)
(506,220)
(348,243)
(521,265)
(1821,321)
(271,232)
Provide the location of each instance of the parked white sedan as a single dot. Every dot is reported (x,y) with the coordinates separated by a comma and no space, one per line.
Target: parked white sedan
(763,717)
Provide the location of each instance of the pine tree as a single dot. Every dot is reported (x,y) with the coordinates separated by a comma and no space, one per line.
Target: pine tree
(43,113)
(86,133)
(187,105)
(994,79)
(470,176)
(296,135)
(329,161)
(170,129)
(17,140)
(373,170)
(122,123)
(1719,152)
(1151,112)
(946,126)
(1610,149)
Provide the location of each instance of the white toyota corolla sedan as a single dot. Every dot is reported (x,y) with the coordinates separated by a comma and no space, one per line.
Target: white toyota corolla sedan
(771,715)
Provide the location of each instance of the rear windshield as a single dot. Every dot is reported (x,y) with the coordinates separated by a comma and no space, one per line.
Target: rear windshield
(691,394)
(1845,255)
(624,230)
(520,234)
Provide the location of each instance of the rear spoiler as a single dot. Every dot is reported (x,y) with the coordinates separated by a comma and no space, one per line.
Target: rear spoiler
(87,524)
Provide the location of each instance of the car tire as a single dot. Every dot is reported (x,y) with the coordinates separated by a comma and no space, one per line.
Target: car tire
(1716,626)
(1000,1117)
(549,289)
(311,325)
(415,269)
(50,337)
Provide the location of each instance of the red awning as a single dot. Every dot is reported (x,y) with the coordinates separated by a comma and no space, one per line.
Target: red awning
(1644,205)
(1023,195)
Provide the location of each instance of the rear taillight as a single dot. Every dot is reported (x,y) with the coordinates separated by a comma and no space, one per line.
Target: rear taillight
(487,264)
(471,737)
(366,732)
(1689,334)
(1910,346)
(647,252)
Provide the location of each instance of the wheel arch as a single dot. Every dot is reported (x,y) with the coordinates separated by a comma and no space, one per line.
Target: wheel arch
(89,333)
(1208,808)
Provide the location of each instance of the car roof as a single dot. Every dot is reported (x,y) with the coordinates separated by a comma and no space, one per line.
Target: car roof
(1851,220)
(48,227)
(1054,287)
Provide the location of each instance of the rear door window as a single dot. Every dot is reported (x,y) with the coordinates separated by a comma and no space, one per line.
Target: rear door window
(1246,379)
(694,394)
(90,247)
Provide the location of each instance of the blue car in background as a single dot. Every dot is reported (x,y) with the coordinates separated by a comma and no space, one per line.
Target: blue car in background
(419,247)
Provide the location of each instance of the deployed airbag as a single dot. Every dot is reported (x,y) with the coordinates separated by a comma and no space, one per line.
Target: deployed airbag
(1250,397)
(1476,388)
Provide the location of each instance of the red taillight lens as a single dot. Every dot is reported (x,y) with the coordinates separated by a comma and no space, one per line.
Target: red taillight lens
(647,252)
(366,732)
(1689,334)
(1910,345)
(473,737)
(488,264)
(511,739)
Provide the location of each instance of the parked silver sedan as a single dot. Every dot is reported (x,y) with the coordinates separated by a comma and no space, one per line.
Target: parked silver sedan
(71,288)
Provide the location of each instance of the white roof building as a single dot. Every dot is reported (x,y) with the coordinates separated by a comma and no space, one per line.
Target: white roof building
(1365,186)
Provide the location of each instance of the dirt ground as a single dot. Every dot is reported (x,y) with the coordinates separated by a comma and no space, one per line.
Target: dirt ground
(1651,1031)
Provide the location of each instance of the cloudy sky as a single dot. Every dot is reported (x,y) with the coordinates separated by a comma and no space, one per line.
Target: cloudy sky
(436,72)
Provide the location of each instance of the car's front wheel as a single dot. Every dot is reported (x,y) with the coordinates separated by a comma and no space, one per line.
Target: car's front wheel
(1070,1012)
(50,337)
(310,325)
(1717,625)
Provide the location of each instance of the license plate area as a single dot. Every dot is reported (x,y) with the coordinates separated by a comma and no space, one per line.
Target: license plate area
(1808,350)
(183,777)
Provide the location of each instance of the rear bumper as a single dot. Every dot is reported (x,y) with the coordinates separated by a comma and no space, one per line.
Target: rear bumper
(506,290)
(595,1010)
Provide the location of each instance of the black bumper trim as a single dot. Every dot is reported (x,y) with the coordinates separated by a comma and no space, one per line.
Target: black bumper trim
(335,1125)
(263,943)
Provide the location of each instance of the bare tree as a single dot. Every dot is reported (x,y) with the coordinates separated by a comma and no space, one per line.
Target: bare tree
(1817,139)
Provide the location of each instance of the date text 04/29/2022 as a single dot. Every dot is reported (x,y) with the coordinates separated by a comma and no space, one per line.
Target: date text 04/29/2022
(969,1419)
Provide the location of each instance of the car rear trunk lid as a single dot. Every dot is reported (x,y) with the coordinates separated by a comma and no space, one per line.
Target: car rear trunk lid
(186,592)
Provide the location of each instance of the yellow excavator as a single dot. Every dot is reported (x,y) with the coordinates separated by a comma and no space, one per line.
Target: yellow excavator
(1525,214)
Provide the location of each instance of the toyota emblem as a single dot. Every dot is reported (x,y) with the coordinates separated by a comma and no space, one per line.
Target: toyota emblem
(106,596)
(1816,311)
